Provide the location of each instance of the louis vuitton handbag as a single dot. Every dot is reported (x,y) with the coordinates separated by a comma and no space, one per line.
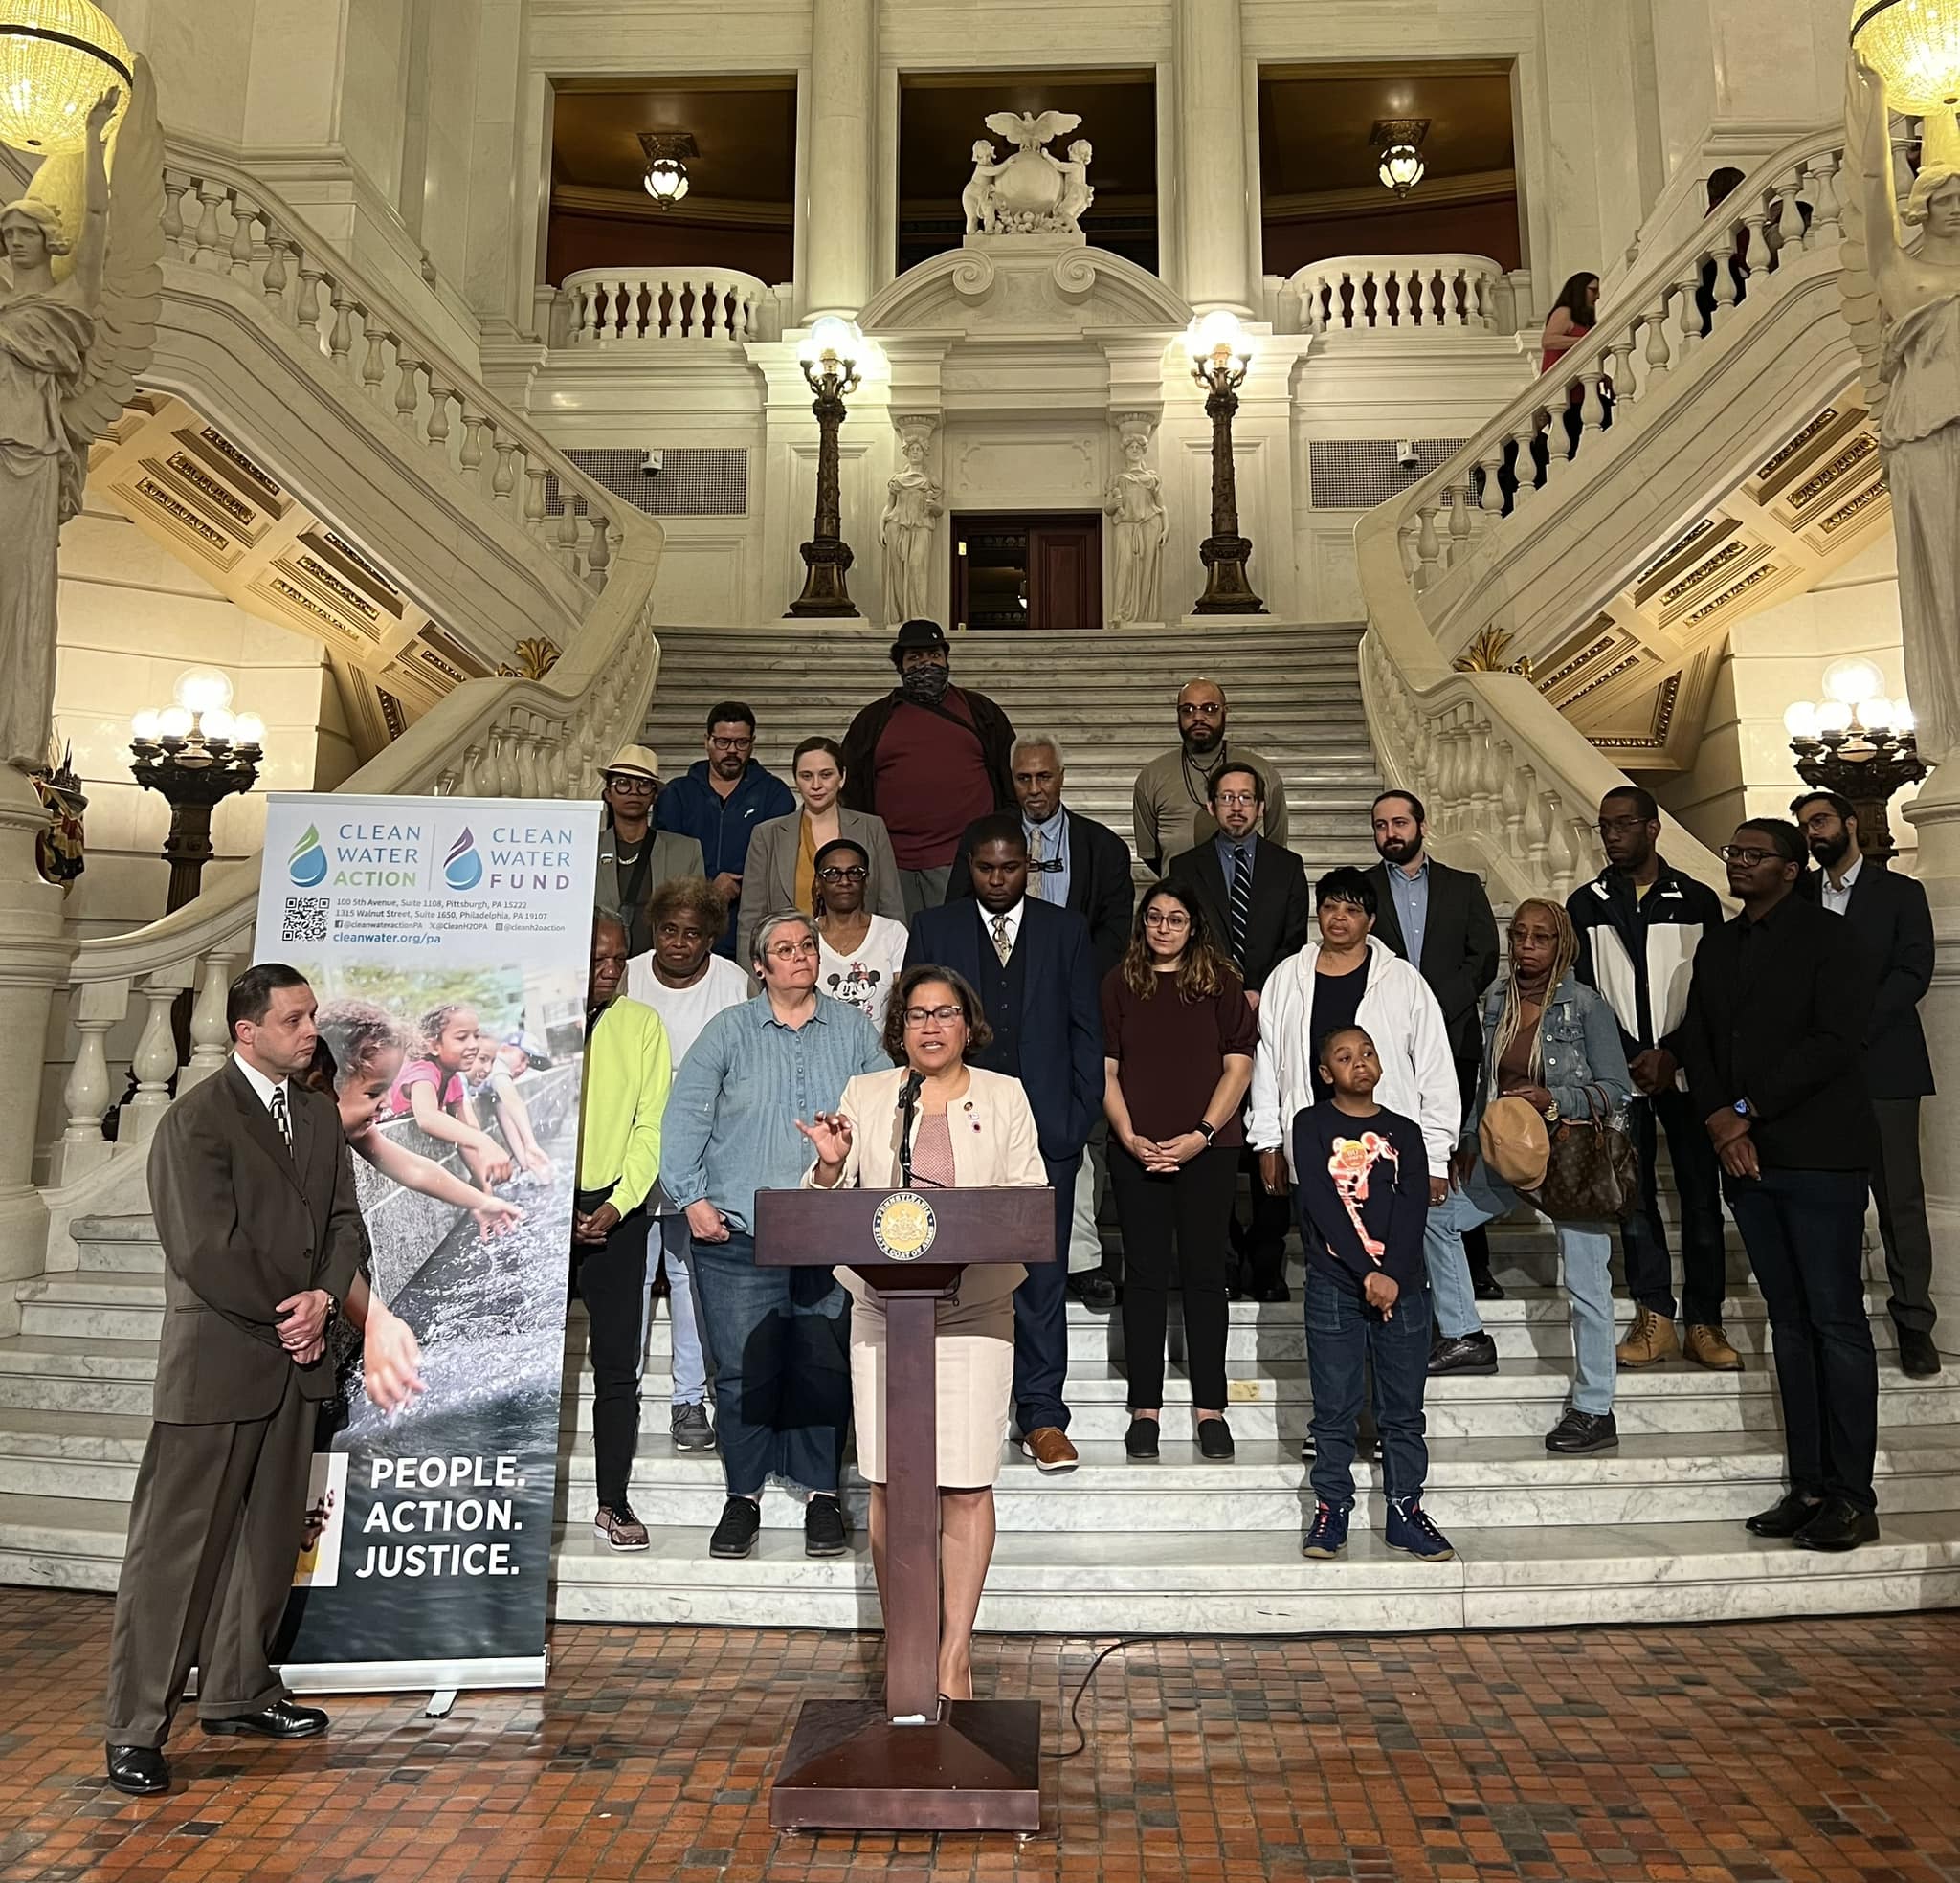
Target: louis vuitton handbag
(1594,1173)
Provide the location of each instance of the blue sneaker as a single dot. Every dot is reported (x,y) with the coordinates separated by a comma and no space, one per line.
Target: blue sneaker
(1409,1528)
(1328,1537)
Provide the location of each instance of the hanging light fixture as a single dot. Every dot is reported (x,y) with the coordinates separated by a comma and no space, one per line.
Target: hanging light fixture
(1914,45)
(667,153)
(56,58)
(1400,140)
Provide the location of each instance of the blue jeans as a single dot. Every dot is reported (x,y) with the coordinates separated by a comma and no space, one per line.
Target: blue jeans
(690,1363)
(781,1341)
(1343,1337)
(1454,1300)
(1585,1253)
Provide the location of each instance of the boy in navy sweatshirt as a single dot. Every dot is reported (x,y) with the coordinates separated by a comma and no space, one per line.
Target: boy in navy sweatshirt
(1363,1198)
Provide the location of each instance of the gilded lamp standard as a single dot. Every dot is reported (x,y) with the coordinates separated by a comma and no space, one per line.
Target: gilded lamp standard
(194,755)
(1220,353)
(829,357)
(1858,743)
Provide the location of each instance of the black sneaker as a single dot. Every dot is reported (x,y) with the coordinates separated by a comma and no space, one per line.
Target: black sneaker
(740,1525)
(1583,1432)
(824,1530)
(1463,1353)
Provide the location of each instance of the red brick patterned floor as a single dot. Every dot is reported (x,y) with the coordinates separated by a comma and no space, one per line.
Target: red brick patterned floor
(1796,1752)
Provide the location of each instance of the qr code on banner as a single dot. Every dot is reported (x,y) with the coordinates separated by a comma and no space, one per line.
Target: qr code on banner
(305,918)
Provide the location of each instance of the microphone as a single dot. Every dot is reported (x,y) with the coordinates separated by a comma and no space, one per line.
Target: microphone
(908,1105)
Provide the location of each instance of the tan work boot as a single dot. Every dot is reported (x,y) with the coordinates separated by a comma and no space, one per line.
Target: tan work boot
(1708,1346)
(1650,1340)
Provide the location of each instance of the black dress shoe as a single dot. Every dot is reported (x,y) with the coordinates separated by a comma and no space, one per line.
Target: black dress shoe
(1786,1517)
(1140,1440)
(1094,1290)
(1463,1353)
(1214,1439)
(1839,1525)
(281,1720)
(1272,1291)
(1579,1432)
(1486,1287)
(142,1771)
(1918,1358)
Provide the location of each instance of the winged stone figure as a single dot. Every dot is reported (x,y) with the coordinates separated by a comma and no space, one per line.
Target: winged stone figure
(77,324)
(1027,132)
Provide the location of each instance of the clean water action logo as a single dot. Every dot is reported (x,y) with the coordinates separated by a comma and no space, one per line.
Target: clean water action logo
(464,868)
(307,864)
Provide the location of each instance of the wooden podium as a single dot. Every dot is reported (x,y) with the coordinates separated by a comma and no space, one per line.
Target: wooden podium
(910,1763)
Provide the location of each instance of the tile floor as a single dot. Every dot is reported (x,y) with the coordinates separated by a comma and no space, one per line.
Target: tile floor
(1791,1752)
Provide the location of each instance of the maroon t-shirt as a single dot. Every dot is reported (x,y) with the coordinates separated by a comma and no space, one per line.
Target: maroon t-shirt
(931,781)
(1170,1052)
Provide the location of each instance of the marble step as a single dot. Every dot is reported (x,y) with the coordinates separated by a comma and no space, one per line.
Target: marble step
(1214,1581)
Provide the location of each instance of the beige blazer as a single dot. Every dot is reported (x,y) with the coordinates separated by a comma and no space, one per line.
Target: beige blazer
(769,877)
(995,1145)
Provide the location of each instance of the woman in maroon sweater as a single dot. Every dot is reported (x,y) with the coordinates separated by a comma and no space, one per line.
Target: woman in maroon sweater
(1178,1041)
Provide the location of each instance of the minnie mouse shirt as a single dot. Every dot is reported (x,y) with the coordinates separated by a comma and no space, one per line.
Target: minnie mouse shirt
(1363,1195)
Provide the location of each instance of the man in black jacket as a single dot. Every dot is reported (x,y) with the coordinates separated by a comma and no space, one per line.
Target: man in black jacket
(1085,865)
(1440,919)
(928,758)
(1256,898)
(1639,922)
(1894,927)
(1774,1048)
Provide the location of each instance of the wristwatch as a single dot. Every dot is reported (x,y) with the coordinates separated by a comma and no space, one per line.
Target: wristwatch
(1744,1109)
(1207,1130)
(333,1312)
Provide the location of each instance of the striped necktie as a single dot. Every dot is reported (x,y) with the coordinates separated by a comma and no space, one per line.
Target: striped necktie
(280,1117)
(1241,903)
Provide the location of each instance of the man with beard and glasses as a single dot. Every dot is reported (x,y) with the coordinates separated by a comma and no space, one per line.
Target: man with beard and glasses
(1639,923)
(1890,916)
(928,758)
(1172,812)
(1440,919)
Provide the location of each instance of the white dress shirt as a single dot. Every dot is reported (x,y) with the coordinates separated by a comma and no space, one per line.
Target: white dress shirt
(1013,923)
(1838,895)
(264,1086)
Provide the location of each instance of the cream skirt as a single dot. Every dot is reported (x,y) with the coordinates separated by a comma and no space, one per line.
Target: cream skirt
(975,1367)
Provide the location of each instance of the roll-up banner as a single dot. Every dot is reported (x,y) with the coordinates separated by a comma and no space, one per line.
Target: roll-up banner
(447,941)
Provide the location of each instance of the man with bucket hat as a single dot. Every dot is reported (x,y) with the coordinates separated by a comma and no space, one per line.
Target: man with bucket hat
(634,859)
(928,758)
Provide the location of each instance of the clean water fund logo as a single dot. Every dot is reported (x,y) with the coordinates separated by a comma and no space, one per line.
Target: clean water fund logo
(464,868)
(307,864)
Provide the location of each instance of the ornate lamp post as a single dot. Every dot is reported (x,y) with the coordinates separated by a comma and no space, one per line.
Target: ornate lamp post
(829,357)
(1220,352)
(1858,743)
(194,755)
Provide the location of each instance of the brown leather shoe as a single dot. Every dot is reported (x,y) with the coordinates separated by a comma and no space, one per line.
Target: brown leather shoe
(1049,1448)
(1650,1340)
(1708,1346)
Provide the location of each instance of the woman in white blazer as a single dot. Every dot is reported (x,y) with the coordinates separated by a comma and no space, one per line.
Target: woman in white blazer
(972,1128)
(782,852)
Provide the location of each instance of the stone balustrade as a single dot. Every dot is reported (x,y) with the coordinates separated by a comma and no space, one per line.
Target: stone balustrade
(1510,780)
(1397,293)
(669,307)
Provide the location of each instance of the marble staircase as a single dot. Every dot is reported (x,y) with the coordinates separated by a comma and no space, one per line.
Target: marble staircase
(1650,1532)
(1110,697)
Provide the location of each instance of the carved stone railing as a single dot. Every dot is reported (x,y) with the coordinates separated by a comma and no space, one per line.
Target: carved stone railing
(1481,545)
(676,308)
(1398,294)
(243,272)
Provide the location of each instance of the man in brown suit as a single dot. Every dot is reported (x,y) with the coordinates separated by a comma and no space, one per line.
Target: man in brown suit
(255,1206)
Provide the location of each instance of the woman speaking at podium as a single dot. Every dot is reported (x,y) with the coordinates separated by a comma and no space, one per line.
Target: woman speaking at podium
(967,1127)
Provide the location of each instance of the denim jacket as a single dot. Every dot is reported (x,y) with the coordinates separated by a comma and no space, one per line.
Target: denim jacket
(1580,1044)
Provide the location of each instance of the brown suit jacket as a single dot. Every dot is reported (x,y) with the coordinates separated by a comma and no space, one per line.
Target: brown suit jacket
(244,1225)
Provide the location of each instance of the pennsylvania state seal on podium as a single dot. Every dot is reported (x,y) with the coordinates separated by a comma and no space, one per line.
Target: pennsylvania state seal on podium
(904,1227)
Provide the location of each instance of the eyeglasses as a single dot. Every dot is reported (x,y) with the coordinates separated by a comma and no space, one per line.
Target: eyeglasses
(742,745)
(1204,709)
(1748,856)
(1616,827)
(917,1017)
(791,950)
(1236,798)
(1167,918)
(630,786)
(831,874)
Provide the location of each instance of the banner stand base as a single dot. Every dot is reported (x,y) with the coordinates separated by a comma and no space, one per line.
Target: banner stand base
(439,1704)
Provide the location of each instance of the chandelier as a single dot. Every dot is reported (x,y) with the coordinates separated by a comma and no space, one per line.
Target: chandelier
(1915,47)
(1399,140)
(667,153)
(56,58)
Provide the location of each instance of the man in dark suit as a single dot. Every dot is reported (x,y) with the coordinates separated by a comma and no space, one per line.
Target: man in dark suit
(1440,919)
(1894,925)
(255,1206)
(1254,895)
(1034,969)
(1082,865)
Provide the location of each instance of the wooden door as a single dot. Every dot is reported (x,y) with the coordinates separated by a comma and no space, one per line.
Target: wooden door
(1039,570)
(1065,574)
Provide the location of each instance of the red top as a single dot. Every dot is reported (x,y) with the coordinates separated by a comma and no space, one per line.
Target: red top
(1170,1053)
(931,782)
(1551,357)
